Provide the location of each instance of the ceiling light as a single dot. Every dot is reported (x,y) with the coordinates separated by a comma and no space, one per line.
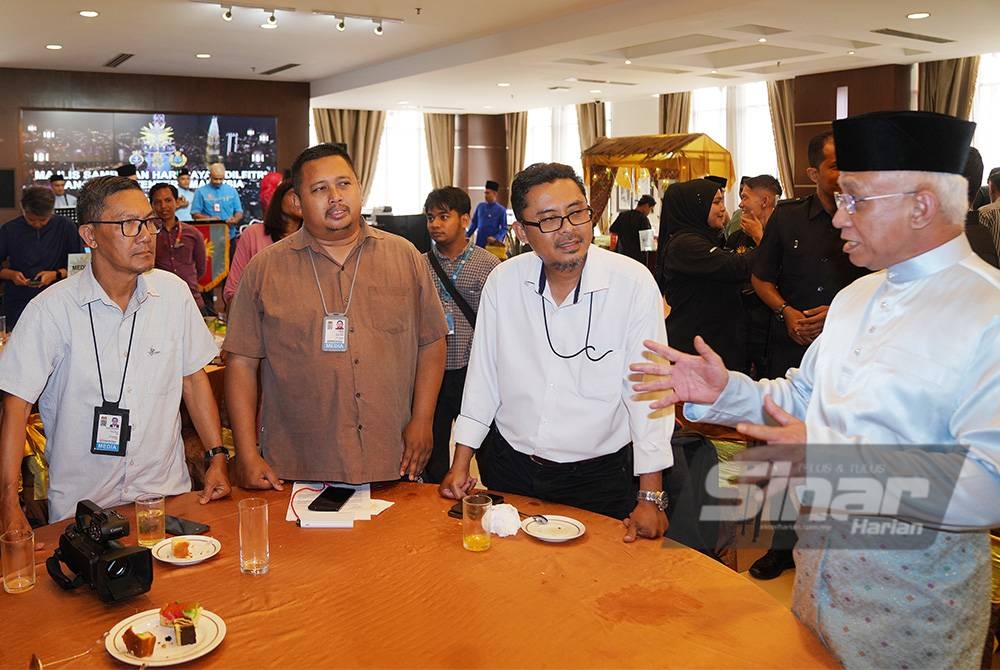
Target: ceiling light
(628,62)
(503,84)
(595,90)
(227,13)
(918,15)
(762,40)
(403,102)
(203,55)
(89,14)
(341,25)
(53,47)
(851,52)
(378,28)
(487,106)
(271,23)
(570,79)
(715,72)
(655,95)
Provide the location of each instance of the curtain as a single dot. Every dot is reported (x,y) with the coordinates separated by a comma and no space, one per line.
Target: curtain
(439,131)
(517,137)
(361,131)
(947,86)
(675,112)
(590,120)
(781,99)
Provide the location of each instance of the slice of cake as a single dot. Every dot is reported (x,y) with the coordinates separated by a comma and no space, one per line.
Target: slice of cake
(139,644)
(175,610)
(184,631)
(180,548)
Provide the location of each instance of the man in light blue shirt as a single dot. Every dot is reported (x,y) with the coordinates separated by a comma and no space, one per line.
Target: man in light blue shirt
(185,196)
(489,221)
(218,200)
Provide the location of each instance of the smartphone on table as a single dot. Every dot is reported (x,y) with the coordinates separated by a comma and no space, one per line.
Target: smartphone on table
(175,525)
(456,509)
(331,499)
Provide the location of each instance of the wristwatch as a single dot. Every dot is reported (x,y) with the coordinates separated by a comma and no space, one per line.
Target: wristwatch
(780,312)
(215,451)
(658,497)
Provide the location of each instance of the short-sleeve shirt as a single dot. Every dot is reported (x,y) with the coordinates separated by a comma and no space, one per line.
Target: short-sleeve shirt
(32,250)
(329,415)
(802,254)
(627,226)
(50,358)
(217,203)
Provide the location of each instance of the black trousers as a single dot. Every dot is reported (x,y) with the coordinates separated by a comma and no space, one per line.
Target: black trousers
(449,403)
(604,485)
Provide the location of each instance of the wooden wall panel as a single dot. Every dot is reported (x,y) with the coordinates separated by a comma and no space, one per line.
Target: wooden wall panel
(481,154)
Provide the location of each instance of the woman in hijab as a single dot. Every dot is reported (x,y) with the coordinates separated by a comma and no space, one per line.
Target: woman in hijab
(703,279)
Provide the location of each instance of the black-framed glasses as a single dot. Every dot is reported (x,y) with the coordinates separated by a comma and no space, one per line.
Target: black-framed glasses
(551,224)
(848,202)
(132,227)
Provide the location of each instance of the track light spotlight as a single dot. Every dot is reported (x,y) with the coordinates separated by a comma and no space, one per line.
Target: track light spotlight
(378,28)
(342,25)
(272,19)
(227,14)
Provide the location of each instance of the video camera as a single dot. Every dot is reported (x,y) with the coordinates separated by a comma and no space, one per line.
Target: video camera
(89,548)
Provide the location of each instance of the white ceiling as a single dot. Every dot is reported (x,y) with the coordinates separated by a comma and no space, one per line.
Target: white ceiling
(452,54)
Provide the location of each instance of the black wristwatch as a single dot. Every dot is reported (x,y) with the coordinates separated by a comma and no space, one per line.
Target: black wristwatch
(780,312)
(213,452)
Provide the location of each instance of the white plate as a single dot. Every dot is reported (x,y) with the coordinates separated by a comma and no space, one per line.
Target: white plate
(200,547)
(210,631)
(558,529)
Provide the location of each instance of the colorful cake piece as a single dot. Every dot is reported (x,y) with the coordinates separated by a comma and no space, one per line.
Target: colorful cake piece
(184,631)
(140,645)
(175,610)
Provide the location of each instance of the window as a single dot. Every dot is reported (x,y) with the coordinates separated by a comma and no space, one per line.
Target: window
(738,118)
(984,111)
(402,176)
(553,136)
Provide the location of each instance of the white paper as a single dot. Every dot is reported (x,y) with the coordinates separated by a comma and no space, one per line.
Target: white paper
(646,240)
(357,508)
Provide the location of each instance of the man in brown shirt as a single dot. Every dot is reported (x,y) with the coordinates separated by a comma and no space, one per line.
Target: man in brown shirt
(349,336)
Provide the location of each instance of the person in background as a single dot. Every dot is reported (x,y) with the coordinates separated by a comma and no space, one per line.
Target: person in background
(489,221)
(63,199)
(466,267)
(180,247)
(979,235)
(282,218)
(36,246)
(627,226)
(118,341)
(268,184)
(217,200)
(185,196)
(989,215)
(894,418)
(128,171)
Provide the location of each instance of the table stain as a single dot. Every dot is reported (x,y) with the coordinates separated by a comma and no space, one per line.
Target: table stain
(643,605)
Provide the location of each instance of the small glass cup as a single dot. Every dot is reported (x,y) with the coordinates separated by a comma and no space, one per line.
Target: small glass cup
(474,508)
(149,519)
(255,552)
(17,552)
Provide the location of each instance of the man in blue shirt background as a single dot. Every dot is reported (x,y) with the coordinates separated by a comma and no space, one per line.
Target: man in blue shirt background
(218,200)
(489,221)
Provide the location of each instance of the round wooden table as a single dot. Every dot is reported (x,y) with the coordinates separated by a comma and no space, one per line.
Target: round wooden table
(400,591)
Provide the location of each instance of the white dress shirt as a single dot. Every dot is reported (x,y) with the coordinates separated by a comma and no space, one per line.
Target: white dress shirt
(65,200)
(51,354)
(565,409)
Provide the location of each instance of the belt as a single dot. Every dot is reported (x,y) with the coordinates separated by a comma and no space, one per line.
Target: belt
(546,463)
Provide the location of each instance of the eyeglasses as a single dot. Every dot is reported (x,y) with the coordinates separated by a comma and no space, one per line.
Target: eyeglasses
(551,224)
(132,227)
(848,202)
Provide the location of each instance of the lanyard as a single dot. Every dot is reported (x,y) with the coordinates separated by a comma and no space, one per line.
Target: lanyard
(587,346)
(128,353)
(442,292)
(347,303)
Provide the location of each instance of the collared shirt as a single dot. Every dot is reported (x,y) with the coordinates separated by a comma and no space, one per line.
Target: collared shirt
(65,200)
(50,357)
(802,253)
(182,251)
(627,226)
(184,213)
(472,275)
(489,220)
(565,409)
(883,372)
(335,416)
(217,203)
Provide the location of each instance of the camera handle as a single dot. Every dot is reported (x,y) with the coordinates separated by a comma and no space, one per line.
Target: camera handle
(57,575)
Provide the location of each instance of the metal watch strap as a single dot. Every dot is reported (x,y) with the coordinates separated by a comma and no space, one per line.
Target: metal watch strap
(657,497)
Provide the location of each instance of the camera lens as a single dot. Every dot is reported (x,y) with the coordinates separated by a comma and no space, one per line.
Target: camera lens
(118,568)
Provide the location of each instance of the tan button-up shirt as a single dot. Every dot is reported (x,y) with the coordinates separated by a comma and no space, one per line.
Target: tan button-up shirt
(335,416)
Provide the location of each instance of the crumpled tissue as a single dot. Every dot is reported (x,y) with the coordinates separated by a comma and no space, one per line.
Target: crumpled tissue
(502,520)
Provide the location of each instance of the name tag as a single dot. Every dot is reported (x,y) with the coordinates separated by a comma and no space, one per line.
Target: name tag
(335,333)
(111,430)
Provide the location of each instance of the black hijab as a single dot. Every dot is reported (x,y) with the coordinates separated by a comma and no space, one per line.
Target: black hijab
(687,206)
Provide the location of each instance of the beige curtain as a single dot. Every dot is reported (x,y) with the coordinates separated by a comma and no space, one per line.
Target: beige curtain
(517,139)
(781,100)
(675,112)
(361,131)
(439,131)
(947,86)
(590,118)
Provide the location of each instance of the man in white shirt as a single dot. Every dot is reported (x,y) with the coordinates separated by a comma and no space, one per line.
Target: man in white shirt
(555,331)
(887,402)
(108,354)
(63,199)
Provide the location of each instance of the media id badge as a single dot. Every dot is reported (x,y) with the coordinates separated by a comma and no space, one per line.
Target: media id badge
(335,333)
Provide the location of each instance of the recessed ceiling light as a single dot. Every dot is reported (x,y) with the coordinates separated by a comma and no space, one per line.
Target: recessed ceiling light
(487,106)
(503,84)
(595,90)
(89,14)
(570,79)
(851,52)
(762,40)
(403,102)
(715,72)
(53,47)
(628,61)
(655,95)
(918,15)
(203,55)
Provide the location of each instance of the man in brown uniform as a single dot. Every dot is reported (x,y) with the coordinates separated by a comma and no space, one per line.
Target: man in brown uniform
(349,335)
